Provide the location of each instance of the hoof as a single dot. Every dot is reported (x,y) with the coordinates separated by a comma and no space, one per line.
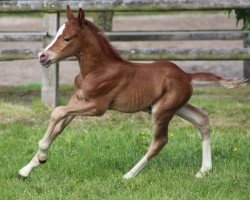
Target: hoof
(20,177)
(199,175)
(42,161)
(127,176)
(203,172)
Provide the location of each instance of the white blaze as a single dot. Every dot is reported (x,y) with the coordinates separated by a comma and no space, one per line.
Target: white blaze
(59,32)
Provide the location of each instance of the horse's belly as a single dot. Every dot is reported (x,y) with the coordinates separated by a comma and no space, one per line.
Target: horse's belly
(133,102)
(126,108)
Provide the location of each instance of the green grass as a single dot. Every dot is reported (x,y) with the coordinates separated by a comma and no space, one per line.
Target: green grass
(88,160)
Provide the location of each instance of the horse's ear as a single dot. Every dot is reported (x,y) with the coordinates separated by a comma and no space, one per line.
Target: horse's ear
(69,13)
(81,17)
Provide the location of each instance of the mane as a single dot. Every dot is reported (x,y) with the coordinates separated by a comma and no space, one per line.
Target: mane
(102,39)
(92,26)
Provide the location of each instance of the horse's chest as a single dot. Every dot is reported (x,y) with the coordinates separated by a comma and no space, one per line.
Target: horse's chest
(85,89)
(92,88)
(89,89)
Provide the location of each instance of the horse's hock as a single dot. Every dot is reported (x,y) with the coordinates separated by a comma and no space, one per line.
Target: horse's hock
(103,18)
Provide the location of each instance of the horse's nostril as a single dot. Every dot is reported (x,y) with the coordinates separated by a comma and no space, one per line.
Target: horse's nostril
(43,57)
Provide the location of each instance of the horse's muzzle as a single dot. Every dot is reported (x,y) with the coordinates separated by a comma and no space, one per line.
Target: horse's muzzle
(44,59)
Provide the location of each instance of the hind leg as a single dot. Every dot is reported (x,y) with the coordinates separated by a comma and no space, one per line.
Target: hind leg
(200,119)
(161,118)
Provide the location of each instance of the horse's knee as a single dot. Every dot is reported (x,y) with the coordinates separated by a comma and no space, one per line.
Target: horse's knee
(98,111)
(58,113)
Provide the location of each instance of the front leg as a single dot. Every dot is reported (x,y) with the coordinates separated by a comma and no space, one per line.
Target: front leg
(60,118)
(41,156)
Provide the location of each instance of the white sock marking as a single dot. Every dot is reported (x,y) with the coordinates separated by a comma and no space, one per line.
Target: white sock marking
(136,169)
(29,167)
(206,156)
(206,159)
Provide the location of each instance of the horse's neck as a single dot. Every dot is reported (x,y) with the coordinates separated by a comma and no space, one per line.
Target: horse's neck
(90,62)
(96,56)
(86,64)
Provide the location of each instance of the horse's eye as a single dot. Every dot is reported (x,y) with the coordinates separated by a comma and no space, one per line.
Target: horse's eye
(67,39)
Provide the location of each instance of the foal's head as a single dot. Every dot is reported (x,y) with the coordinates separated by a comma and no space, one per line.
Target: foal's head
(67,41)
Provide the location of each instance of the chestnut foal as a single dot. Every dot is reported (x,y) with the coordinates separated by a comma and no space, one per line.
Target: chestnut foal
(106,81)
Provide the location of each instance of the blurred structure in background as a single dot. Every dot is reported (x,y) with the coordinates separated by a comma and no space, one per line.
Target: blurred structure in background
(193,33)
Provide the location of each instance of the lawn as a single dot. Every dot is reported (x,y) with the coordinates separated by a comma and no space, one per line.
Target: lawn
(88,160)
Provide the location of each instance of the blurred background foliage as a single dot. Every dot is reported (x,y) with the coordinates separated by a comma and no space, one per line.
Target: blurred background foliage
(243,14)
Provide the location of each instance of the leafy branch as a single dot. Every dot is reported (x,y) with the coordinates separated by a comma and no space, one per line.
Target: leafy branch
(242,14)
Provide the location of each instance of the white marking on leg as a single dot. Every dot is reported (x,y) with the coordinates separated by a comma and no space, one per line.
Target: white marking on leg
(199,118)
(43,148)
(206,154)
(136,169)
(59,32)
(44,145)
(41,155)
(206,159)
(24,172)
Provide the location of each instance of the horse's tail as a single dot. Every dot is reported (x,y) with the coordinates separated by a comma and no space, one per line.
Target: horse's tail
(212,78)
